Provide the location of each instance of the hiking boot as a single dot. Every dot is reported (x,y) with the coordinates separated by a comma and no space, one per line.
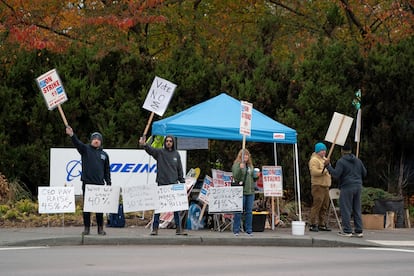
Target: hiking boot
(181,232)
(101,231)
(343,234)
(324,228)
(86,231)
(314,228)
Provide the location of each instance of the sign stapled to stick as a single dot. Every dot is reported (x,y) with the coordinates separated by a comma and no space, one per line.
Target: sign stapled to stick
(338,130)
(53,91)
(272,181)
(246,118)
(158,98)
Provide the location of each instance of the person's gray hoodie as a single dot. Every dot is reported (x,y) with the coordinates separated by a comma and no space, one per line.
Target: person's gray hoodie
(349,170)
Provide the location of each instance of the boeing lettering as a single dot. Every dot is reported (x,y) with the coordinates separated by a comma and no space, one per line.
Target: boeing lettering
(133,168)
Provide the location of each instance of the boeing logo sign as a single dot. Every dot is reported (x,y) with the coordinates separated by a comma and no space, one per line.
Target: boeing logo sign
(74,168)
(128,167)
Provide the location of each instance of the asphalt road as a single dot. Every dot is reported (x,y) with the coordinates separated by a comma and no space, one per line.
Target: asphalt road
(204,260)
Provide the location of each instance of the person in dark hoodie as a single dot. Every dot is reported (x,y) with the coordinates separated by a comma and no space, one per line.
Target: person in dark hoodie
(95,170)
(169,171)
(350,172)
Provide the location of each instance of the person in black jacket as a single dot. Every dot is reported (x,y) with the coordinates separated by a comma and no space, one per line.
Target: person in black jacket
(95,170)
(169,171)
(350,171)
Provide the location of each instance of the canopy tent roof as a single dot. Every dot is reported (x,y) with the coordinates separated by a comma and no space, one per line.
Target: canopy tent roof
(219,118)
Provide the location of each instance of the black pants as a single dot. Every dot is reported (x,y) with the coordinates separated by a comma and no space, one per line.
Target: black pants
(87,219)
(87,215)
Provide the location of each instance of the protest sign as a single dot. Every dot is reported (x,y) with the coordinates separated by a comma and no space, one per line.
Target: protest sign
(172,198)
(56,200)
(53,92)
(338,130)
(203,195)
(52,89)
(246,118)
(159,96)
(272,181)
(221,178)
(101,199)
(225,199)
(140,197)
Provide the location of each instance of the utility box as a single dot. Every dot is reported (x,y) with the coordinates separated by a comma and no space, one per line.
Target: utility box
(373,221)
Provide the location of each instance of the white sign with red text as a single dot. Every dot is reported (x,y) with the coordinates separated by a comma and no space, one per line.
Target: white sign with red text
(272,181)
(246,118)
(52,89)
(221,178)
(203,195)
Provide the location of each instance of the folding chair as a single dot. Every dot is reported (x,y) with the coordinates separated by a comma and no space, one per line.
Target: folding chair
(334,195)
(223,222)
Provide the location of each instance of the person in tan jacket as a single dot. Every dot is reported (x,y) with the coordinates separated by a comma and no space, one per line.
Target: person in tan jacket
(321,181)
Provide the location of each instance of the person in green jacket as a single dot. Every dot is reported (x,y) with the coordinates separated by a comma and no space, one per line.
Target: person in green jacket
(242,170)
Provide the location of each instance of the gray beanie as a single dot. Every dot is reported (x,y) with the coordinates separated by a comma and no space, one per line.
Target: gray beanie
(97,135)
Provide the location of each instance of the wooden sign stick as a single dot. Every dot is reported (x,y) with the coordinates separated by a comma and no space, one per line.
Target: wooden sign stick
(62,115)
(336,137)
(334,141)
(148,124)
(202,212)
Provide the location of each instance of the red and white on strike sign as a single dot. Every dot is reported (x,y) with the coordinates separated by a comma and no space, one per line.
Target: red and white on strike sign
(52,89)
(246,118)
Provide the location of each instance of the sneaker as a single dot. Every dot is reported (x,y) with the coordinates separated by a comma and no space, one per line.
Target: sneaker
(343,234)
(358,235)
(249,234)
(324,228)
(236,234)
(314,228)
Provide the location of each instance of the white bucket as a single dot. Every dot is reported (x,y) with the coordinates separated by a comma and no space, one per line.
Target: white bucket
(298,228)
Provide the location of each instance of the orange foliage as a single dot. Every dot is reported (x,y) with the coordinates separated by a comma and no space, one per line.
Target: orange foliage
(56,24)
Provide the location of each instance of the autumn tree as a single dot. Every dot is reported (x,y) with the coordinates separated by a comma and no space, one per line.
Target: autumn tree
(55,25)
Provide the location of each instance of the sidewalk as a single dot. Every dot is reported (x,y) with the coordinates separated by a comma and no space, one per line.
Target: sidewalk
(138,235)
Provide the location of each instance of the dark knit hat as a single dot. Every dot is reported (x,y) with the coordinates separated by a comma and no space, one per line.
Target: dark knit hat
(96,135)
(346,148)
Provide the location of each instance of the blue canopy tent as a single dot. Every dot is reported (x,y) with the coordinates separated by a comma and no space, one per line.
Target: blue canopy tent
(219,118)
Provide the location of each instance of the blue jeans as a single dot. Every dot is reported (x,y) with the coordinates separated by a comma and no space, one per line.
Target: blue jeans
(248,216)
(350,204)
(156,221)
